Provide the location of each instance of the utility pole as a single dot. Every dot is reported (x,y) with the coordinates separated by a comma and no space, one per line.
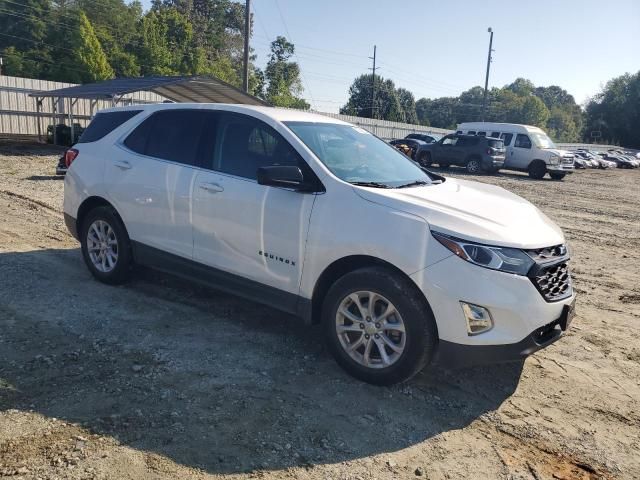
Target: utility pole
(247,33)
(373,84)
(486,80)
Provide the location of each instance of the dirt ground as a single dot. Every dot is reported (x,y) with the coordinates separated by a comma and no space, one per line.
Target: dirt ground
(160,379)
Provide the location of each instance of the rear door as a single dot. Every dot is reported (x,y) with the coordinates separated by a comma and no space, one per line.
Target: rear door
(240,227)
(150,177)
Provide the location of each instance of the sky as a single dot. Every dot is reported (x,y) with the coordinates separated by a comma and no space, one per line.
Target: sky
(437,49)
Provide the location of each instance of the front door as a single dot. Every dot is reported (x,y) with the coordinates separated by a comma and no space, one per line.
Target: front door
(521,153)
(445,150)
(243,228)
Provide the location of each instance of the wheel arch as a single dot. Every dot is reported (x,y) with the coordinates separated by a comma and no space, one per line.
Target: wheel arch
(89,204)
(537,161)
(346,265)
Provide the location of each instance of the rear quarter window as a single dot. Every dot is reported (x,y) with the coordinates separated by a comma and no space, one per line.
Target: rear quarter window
(105,123)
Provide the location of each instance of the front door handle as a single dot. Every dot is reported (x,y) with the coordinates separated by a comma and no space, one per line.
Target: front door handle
(122,164)
(211,187)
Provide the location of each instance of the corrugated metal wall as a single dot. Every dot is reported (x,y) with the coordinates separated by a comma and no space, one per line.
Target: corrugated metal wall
(18,111)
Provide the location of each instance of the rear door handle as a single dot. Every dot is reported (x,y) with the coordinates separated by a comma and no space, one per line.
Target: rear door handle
(211,187)
(122,164)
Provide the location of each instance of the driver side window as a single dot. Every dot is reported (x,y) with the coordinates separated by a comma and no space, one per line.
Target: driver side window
(522,141)
(246,144)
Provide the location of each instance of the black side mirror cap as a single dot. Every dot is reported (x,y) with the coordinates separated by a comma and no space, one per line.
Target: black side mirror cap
(283,176)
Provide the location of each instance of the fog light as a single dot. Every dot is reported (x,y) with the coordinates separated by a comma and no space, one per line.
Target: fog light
(478,318)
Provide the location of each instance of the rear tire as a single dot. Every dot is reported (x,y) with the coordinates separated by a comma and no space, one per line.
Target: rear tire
(357,338)
(106,247)
(557,176)
(537,169)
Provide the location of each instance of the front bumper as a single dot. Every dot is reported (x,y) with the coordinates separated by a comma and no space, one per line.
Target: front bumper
(516,306)
(456,355)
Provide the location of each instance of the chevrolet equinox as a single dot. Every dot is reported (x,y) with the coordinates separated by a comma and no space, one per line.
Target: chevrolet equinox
(323,220)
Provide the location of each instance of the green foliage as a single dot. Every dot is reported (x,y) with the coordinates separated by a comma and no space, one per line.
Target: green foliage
(550,108)
(387,104)
(83,59)
(615,112)
(283,76)
(86,40)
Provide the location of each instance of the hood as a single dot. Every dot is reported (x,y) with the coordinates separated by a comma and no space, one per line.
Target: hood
(560,153)
(473,211)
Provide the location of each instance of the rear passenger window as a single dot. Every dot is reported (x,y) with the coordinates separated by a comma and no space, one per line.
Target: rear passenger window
(495,134)
(507,138)
(471,132)
(482,134)
(247,144)
(105,123)
(172,135)
(175,135)
(522,141)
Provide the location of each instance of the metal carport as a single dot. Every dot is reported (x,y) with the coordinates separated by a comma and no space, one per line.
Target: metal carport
(194,88)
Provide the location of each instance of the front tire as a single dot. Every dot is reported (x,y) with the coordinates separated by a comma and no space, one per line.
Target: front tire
(378,326)
(557,176)
(537,170)
(425,159)
(106,247)
(473,166)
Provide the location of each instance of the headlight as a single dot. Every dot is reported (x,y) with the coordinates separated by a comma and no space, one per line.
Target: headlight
(510,260)
(554,159)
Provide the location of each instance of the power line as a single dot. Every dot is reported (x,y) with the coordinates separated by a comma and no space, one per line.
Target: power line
(294,52)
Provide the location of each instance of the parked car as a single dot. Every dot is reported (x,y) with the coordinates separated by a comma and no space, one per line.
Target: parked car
(593,160)
(321,219)
(620,161)
(415,146)
(528,148)
(422,136)
(476,154)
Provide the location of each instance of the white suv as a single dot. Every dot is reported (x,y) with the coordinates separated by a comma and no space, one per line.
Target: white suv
(319,218)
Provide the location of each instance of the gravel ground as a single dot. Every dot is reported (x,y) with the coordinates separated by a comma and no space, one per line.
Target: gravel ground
(160,379)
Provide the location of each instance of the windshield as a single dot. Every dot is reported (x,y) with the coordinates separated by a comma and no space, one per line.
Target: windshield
(541,140)
(356,156)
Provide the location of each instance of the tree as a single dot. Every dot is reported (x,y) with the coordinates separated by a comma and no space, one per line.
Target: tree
(83,61)
(533,112)
(422,109)
(407,105)
(283,76)
(615,111)
(387,104)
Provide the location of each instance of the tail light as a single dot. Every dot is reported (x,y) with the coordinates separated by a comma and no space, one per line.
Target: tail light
(69,156)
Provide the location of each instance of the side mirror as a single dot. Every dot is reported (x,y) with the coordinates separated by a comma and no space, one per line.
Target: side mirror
(284,176)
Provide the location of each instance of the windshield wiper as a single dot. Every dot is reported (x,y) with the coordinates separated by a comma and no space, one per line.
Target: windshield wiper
(371,184)
(415,183)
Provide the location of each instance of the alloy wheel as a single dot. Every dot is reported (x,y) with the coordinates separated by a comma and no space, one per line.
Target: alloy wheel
(370,329)
(102,246)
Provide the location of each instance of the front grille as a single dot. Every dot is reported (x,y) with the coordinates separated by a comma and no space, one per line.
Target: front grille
(567,161)
(553,282)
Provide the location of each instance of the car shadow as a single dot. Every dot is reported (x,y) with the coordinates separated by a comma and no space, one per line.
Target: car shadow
(206,379)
